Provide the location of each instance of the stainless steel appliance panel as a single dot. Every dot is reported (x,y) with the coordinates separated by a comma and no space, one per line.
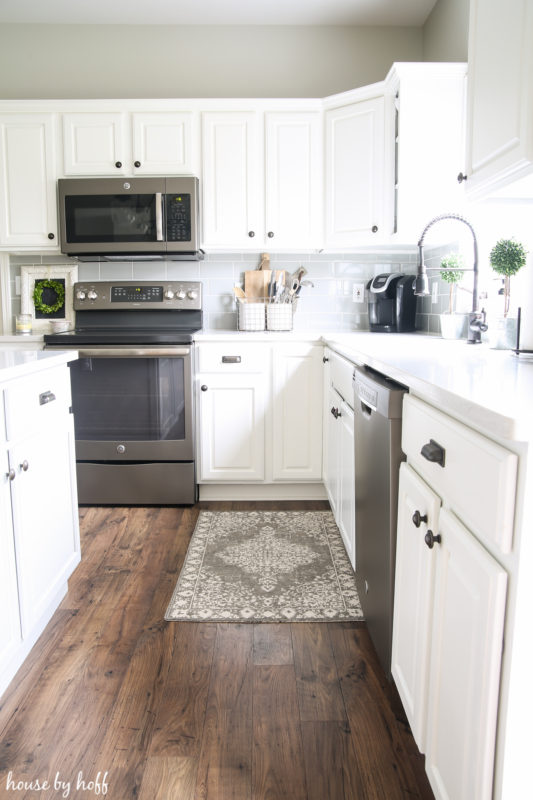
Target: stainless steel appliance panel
(378,454)
(160,483)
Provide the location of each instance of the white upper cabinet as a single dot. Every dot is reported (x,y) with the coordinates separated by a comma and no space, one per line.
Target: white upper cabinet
(500,95)
(262,181)
(116,143)
(231,152)
(293,174)
(28,208)
(355,200)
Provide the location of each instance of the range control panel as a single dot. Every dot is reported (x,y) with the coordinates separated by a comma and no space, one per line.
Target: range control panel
(101,295)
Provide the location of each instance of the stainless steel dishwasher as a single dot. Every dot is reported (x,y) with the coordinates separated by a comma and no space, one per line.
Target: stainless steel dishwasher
(378,453)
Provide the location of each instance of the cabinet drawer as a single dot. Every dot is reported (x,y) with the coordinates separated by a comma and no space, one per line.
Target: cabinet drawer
(341,372)
(35,402)
(478,479)
(233,357)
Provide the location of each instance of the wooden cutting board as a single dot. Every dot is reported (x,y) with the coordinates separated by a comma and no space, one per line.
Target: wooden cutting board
(257,282)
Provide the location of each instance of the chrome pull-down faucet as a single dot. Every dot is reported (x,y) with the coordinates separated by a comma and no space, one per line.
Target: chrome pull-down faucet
(476,319)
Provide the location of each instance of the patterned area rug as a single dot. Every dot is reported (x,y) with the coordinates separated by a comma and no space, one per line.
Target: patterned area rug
(265,566)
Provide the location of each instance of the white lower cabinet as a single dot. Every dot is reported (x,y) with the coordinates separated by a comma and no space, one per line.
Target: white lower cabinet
(450,600)
(39,535)
(259,412)
(232,419)
(339,461)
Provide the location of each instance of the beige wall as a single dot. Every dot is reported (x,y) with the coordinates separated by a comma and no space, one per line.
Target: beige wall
(445,34)
(87,61)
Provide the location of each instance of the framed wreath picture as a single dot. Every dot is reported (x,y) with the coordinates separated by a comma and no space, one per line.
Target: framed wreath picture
(47,294)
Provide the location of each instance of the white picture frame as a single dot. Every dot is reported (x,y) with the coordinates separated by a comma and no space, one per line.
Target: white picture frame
(28,277)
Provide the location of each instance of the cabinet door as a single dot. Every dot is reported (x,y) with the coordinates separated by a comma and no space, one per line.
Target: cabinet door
(232,427)
(418,509)
(500,94)
(293,173)
(94,144)
(231,186)
(346,509)
(332,454)
(10,635)
(28,215)
(466,656)
(163,144)
(355,153)
(45,519)
(297,413)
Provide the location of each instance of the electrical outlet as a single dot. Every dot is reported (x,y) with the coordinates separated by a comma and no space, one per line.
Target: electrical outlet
(358,293)
(434,293)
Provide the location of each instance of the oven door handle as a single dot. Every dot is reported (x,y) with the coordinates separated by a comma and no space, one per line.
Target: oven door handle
(134,352)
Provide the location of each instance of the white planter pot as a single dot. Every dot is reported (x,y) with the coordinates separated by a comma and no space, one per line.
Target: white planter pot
(502,333)
(452,326)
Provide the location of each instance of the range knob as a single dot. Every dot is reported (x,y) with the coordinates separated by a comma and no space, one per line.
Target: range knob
(91,294)
(180,295)
(192,295)
(169,294)
(80,295)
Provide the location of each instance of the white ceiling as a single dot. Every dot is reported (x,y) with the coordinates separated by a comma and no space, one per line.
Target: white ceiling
(217,12)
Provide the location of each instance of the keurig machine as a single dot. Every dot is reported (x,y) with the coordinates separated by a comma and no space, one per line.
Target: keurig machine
(391,303)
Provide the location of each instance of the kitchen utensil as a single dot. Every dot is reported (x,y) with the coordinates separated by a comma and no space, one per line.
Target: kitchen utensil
(265,261)
(239,294)
(256,284)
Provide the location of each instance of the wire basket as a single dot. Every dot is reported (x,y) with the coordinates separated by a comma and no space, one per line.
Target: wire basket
(279,316)
(251,316)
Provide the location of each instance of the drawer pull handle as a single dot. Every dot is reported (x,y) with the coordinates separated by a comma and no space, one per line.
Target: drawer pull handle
(11,475)
(430,539)
(46,397)
(434,452)
(231,359)
(418,518)
(24,466)
(336,413)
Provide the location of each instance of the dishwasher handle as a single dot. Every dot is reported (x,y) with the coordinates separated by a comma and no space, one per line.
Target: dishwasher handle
(366,410)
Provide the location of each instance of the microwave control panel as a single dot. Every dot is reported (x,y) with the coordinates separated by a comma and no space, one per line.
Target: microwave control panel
(178,216)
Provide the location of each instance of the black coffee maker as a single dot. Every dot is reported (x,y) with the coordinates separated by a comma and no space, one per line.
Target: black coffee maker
(391,303)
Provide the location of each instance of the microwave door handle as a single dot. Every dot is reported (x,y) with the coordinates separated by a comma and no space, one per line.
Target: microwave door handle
(159,216)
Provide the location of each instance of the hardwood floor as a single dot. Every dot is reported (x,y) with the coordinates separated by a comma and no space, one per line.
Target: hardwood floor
(186,711)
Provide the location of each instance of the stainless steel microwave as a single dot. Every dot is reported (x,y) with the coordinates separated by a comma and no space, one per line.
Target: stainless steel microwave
(125,218)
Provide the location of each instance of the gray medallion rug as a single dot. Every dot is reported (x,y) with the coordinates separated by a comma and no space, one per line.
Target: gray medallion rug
(265,566)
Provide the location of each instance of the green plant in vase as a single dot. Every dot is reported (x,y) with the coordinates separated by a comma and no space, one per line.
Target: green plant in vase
(507,257)
(451,271)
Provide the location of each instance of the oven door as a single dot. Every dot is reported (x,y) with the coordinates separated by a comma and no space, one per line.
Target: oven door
(133,404)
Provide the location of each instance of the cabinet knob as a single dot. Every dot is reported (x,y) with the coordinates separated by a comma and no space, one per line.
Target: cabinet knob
(118,164)
(432,451)
(203,387)
(430,539)
(251,234)
(374,228)
(325,359)
(51,236)
(418,518)
(270,234)
(136,163)
(11,475)
(462,177)
(24,466)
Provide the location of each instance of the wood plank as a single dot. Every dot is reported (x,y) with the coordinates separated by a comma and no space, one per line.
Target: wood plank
(225,769)
(278,764)
(169,777)
(330,764)
(319,694)
(272,644)
(383,762)
(180,720)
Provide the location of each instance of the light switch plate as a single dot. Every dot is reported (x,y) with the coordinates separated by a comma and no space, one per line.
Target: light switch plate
(358,292)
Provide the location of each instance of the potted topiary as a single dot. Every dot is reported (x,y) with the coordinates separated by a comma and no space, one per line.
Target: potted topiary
(506,258)
(451,271)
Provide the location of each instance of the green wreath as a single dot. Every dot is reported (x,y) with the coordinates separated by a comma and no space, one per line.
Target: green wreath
(45,308)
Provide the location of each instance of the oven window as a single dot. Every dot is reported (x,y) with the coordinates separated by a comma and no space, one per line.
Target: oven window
(110,218)
(128,399)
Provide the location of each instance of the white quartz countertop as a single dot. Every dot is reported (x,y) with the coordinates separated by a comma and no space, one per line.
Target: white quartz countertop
(491,390)
(15,363)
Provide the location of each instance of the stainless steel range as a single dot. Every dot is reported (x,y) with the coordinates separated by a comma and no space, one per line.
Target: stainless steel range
(132,393)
